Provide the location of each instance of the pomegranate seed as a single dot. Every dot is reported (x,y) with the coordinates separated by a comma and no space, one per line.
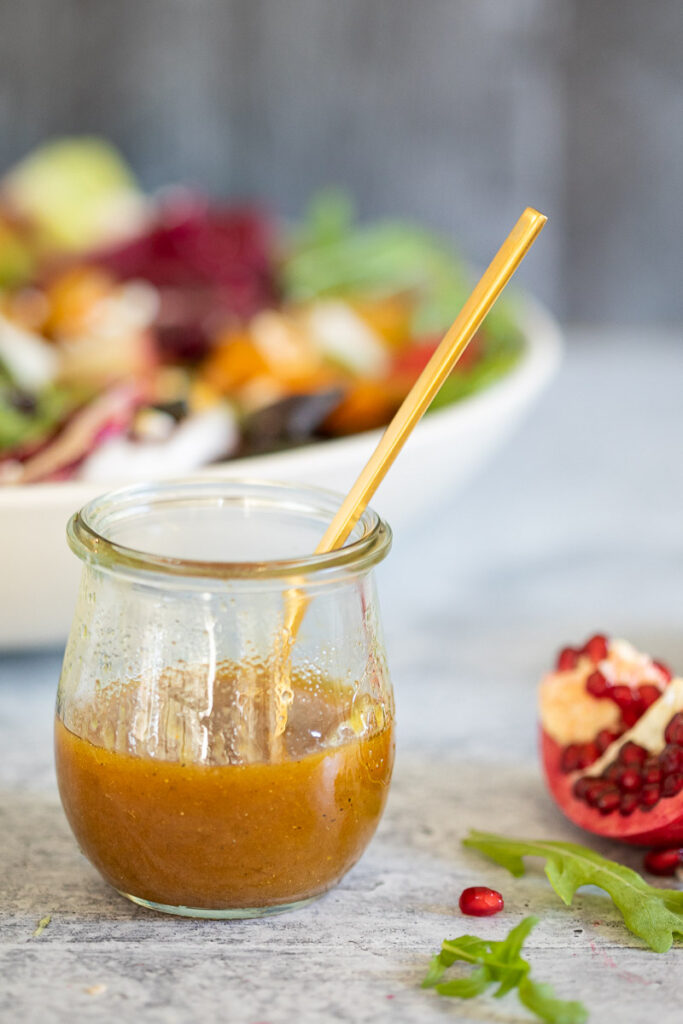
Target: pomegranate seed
(649,694)
(596,789)
(663,862)
(672,784)
(629,802)
(571,758)
(478,901)
(604,739)
(589,754)
(567,659)
(597,685)
(674,730)
(608,800)
(664,669)
(622,696)
(649,796)
(631,715)
(671,759)
(581,786)
(596,648)
(632,753)
(613,771)
(651,772)
(628,780)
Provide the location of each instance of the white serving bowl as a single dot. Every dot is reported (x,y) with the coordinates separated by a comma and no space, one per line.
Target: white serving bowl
(39,573)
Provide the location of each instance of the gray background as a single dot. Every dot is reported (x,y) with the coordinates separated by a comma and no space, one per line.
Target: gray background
(458,112)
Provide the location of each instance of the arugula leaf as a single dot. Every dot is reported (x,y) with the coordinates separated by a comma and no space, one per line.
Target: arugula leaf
(500,963)
(539,997)
(654,915)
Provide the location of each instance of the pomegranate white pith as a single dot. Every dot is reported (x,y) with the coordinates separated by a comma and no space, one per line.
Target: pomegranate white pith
(612,742)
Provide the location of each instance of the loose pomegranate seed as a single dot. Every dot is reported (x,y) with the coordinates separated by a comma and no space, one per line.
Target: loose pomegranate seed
(596,648)
(649,694)
(567,659)
(671,759)
(672,784)
(664,669)
(649,796)
(674,730)
(604,739)
(478,901)
(597,685)
(651,772)
(608,800)
(632,753)
(628,780)
(663,862)
(629,802)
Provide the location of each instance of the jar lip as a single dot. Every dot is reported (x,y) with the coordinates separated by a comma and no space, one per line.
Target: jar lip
(88,539)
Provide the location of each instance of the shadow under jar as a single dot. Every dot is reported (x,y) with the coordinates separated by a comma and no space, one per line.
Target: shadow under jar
(206,766)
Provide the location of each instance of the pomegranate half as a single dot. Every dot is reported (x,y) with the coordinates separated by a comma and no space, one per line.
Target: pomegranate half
(612,742)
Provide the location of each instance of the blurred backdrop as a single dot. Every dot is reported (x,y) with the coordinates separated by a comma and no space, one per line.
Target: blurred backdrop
(456,112)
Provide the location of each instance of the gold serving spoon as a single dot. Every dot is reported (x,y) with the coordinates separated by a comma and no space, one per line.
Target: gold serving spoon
(417,401)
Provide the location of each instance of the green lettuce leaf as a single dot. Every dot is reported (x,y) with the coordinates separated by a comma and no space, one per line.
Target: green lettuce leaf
(654,915)
(500,963)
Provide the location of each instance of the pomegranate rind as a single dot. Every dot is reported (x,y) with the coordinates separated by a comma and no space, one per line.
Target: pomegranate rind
(661,826)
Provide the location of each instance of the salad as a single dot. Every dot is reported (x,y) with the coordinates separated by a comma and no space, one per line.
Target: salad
(150,335)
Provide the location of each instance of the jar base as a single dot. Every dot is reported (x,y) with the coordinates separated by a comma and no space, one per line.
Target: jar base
(235,914)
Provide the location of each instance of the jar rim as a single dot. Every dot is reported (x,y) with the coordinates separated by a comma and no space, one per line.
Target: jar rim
(87,536)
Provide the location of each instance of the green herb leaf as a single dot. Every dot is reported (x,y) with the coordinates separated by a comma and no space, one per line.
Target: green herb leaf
(654,915)
(500,963)
(540,999)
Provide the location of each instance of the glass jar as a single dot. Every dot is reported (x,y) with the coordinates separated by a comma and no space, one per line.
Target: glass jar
(211,764)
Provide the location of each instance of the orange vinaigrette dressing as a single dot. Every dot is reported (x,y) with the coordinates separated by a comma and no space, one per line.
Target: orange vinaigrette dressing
(179,821)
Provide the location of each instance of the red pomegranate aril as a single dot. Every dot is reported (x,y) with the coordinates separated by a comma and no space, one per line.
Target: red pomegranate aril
(622,696)
(613,771)
(671,759)
(649,796)
(663,862)
(629,802)
(571,758)
(672,784)
(674,730)
(567,659)
(604,739)
(651,772)
(649,694)
(479,901)
(597,685)
(632,753)
(589,754)
(628,780)
(608,800)
(596,790)
(631,715)
(596,648)
(577,756)
(581,786)
(664,669)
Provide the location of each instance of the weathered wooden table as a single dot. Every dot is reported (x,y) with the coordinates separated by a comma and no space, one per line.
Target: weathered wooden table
(577,526)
